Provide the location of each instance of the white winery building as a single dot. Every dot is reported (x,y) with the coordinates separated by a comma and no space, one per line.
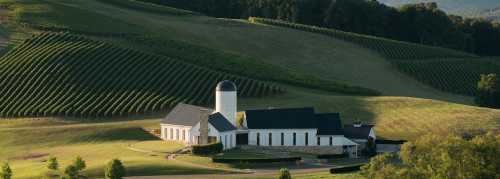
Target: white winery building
(300,128)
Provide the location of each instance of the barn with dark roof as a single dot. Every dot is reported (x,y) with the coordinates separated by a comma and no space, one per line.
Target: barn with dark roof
(297,128)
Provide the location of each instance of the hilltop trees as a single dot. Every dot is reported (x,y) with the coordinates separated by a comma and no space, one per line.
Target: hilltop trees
(421,23)
(488,94)
(440,157)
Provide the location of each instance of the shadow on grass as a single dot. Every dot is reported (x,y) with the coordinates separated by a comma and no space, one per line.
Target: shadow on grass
(152,169)
(116,134)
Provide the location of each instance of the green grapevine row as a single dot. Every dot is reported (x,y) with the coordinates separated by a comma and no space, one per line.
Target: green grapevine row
(391,49)
(148,7)
(55,74)
(453,75)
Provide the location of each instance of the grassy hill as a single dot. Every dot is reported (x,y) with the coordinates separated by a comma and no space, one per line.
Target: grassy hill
(139,58)
(457,72)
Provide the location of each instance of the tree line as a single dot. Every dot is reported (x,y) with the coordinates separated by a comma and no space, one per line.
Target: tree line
(422,23)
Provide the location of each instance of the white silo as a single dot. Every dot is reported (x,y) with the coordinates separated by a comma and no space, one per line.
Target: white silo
(225,100)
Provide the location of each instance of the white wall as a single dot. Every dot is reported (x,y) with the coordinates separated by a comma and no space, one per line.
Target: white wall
(276,137)
(228,139)
(169,132)
(226,104)
(214,133)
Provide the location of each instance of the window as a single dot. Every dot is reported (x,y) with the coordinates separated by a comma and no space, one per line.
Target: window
(258,139)
(177,134)
(307,139)
(282,139)
(166,133)
(171,133)
(294,138)
(183,134)
(331,141)
(319,141)
(270,139)
(225,141)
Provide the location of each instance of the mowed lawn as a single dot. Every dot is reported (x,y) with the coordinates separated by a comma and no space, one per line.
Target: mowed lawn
(26,144)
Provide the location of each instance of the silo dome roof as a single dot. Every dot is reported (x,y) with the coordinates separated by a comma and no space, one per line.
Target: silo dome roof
(226,85)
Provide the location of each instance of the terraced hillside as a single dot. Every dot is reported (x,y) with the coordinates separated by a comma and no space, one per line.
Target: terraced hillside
(69,75)
(444,69)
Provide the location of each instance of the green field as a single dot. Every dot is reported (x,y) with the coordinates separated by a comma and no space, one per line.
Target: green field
(138,60)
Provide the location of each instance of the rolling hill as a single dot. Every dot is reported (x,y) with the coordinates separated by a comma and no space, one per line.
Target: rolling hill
(451,6)
(74,74)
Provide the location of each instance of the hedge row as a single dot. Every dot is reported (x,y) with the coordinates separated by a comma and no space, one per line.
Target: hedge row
(255,160)
(345,169)
(333,156)
(207,149)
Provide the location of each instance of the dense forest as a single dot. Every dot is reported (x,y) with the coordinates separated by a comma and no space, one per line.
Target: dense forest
(421,23)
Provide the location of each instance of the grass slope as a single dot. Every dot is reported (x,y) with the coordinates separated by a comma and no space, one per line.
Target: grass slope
(423,63)
(27,148)
(304,52)
(68,75)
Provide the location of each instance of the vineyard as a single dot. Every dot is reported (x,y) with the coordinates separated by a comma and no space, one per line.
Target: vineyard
(391,49)
(454,75)
(148,7)
(55,74)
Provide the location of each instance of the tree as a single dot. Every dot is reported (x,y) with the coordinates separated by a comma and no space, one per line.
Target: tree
(6,172)
(371,147)
(285,174)
(52,163)
(488,94)
(79,163)
(114,170)
(434,156)
(71,172)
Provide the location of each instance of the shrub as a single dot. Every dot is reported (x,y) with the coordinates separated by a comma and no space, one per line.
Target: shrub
(114,170)
(285,174)
(52,163)
(332,156)
(255,160)
(79,163)
(208,149)
(488,94)
(71,172)
(6,172)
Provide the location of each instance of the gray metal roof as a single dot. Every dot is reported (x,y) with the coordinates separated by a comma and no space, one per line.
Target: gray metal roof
(226,85)
(186,115)
(220,122)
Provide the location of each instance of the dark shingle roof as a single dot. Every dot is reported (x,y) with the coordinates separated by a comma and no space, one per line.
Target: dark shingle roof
(226,85)
(185,114)
(289,118)
(329,124)
(220,122)
(361,132)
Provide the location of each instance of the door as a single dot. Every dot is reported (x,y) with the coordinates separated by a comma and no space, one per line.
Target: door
(242,139)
